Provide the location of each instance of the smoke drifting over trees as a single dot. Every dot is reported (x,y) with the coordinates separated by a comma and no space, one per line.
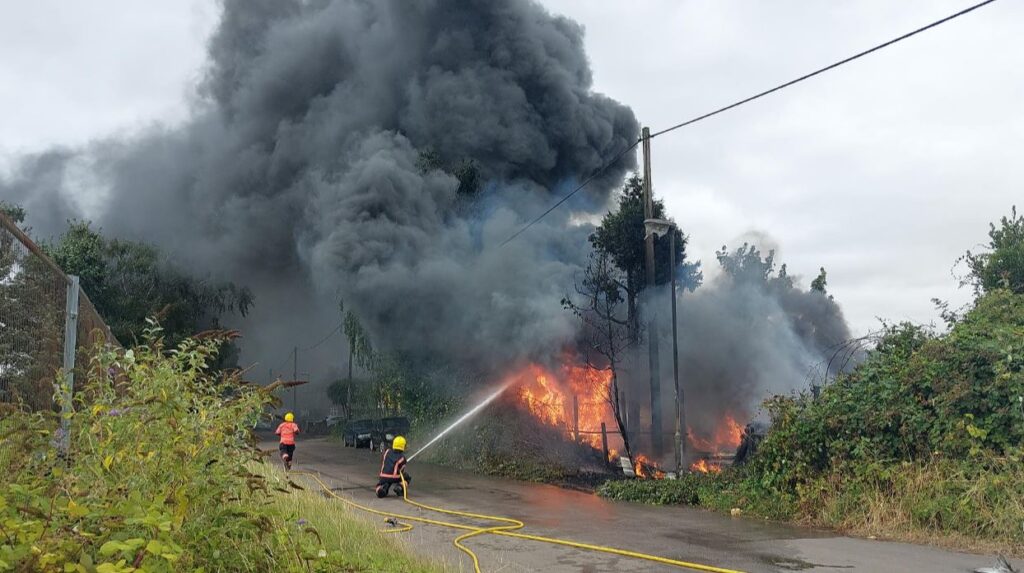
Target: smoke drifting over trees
(310,171)
(750,333)
(297,174)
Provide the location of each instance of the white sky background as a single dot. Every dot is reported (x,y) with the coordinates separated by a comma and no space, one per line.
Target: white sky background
(883,171)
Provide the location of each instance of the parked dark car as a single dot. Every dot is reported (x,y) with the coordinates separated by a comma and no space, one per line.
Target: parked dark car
(388,428)
(315,428)
(359,434)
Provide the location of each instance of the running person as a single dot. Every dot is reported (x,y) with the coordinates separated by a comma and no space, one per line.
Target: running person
(287,431)
(392,469)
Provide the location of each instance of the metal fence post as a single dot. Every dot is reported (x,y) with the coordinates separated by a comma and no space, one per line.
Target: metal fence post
(604,440)
(70,346)
(575,417)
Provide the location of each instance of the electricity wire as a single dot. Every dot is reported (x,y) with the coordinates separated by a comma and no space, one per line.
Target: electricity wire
(823,70)
(568,196)
(312,347)
(742,102)
(323,340)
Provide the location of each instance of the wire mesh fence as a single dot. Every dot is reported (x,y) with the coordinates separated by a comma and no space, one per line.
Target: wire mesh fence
(39,337)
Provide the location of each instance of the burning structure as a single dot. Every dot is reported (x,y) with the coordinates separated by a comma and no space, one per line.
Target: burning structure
(381,152)
(751,332)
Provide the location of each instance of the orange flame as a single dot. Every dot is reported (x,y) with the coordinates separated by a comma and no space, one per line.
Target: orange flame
(541,397)
(726,437)
(549,397)
(704,467)
(645,468)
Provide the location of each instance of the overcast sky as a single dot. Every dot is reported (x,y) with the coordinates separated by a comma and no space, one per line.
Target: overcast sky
(883,171)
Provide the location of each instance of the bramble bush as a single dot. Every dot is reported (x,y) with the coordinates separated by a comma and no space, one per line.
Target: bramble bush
(924,438)
(930,425)
(158,478)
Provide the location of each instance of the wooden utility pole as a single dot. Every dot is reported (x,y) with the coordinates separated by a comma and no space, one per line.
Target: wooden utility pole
(348,398)
(654,365)
(295,376)
(680,443)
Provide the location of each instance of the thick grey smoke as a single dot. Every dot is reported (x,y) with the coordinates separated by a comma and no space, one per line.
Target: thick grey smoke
(297,174)
(748,334)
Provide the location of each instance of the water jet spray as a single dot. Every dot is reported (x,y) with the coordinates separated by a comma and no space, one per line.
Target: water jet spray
(464,417)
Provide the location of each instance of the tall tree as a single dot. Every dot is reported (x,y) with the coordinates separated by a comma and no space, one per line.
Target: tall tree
(819,283)
(1003,265)
(606,334)
(466,171)
(745,264)
(620,237)
(14,212)
(32,309)
(130,282)
(359,350)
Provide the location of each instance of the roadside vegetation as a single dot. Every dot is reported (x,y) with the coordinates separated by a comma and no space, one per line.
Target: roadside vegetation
(163,475)
(130,282)
(352,543)
(923,440)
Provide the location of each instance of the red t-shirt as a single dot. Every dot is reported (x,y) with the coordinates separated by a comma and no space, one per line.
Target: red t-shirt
(287,431)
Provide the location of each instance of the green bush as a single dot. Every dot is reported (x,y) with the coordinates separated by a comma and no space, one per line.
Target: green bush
(922,439)
(926,431)
(659,492)
(158,476)
(918,395)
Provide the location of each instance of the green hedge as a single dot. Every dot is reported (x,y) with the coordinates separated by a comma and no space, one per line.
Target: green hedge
(159,477)
(923,438)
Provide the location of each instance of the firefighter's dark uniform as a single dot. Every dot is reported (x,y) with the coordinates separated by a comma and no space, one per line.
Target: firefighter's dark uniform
(392,469)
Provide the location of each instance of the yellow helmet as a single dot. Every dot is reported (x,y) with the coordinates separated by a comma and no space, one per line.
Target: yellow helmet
(398,444)
(289,417)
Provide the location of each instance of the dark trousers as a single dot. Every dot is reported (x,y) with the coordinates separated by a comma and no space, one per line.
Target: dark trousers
(384,485)
(288,450)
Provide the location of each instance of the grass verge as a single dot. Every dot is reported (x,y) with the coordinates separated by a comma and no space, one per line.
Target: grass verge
(350,542)
(956,505)
(163,477)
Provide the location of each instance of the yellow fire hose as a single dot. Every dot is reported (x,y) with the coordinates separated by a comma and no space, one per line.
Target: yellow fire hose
(508,530)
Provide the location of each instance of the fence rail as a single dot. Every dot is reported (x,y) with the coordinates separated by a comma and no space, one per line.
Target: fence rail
(45,322)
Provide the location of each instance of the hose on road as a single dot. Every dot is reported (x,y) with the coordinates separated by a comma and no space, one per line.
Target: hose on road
(508,530)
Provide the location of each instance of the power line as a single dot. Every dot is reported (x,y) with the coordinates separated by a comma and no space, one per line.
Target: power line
(311,347)
(573,192)
(823,70)
(323,340)
(739,103)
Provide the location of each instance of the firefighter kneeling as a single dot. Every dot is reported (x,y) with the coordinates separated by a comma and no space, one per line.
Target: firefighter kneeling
(392,469)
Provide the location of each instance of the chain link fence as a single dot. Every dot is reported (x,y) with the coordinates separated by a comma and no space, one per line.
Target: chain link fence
(46,323)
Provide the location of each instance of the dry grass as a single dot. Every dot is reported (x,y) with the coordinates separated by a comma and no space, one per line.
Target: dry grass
(935,503)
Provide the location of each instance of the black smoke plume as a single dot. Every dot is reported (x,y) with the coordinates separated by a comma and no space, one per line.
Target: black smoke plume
(752,332)
(299,174)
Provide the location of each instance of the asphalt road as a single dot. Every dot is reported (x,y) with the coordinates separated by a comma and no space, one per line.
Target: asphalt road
(677,532)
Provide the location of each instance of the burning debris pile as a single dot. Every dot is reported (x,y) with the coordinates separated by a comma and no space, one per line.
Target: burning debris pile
(577,400)
(574,399)
(749,333)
